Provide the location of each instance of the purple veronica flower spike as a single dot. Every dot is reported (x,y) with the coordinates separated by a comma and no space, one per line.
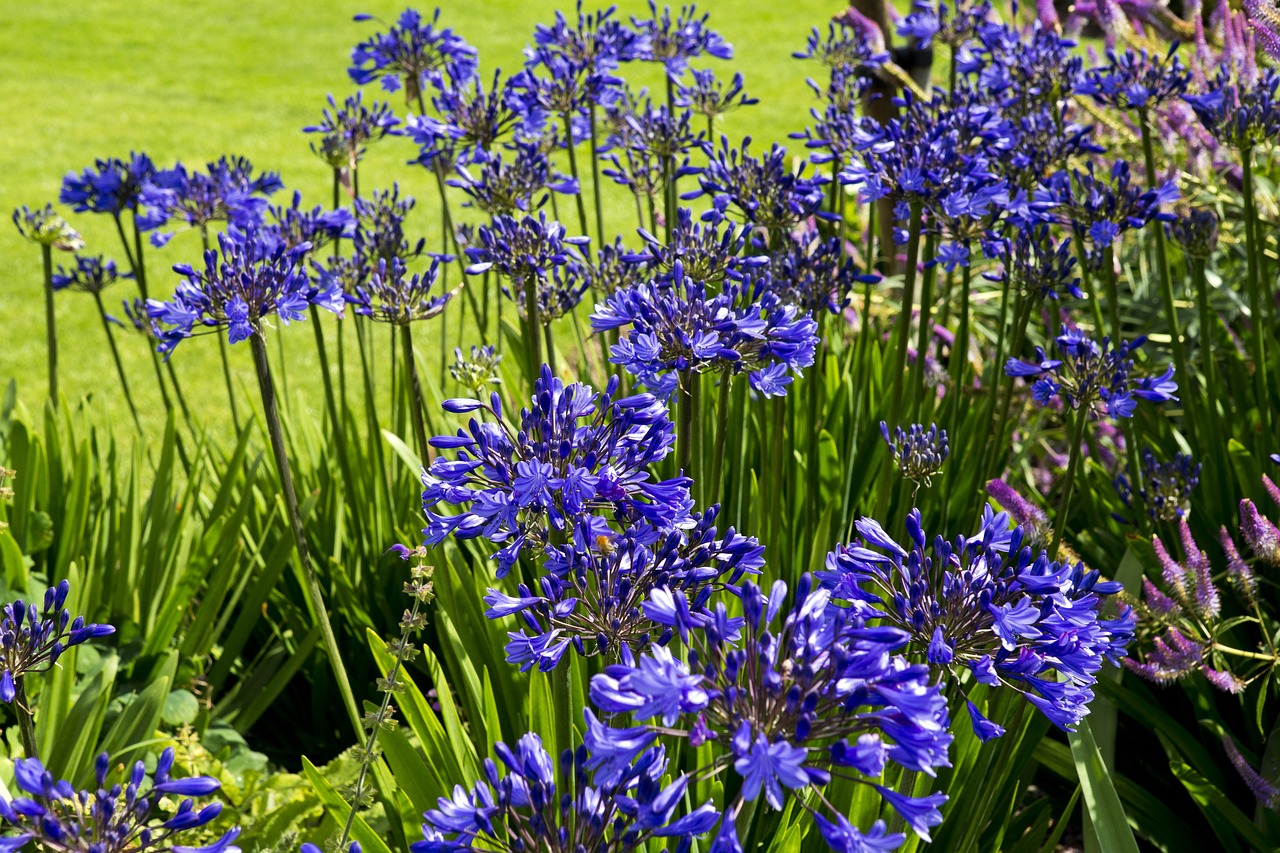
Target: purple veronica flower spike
(55,816)
(410,54)
(1092,377)
(540,804)
(985,603)
(605,591)
(32,640)
(241,286)
(788,705)
(575,451)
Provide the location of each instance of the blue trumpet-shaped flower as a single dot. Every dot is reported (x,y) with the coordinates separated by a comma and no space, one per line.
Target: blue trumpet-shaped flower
(109,186)
(411,53)
(393,295)
(91,274)
(675,42)
(32,639)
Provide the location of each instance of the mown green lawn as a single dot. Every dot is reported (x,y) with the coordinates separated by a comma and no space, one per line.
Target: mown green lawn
(192,81)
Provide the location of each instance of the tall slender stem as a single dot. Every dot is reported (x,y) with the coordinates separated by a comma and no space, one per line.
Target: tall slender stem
(223,349)
(418,404)
(26,718)
(323,353)
(51,332)
(595,174)
(573,170)
(722,436)
(532,327)
(1257,326)
(139,262)
(115,355)
(903,332)
(684,423)
(1068,481)
(926,323)
(312,586)
(960,352)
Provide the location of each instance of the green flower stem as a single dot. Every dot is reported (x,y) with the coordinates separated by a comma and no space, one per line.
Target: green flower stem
(532,327)
(722,437)
(549,341)
(115,355)
(222,348)
(314,594)
(26,718)
(1166,281)
(960,352)
(1068,481)
(416,403)
(926,328)
(595,174)
(51,332)
(573,170)
(903,332)
(684,423)
(1257,326)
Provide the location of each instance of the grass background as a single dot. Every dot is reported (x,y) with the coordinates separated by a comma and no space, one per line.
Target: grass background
(193,81)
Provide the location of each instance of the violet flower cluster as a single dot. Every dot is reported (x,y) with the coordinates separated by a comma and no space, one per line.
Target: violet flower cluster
(987,604)
(51,814)
(411,53)
(736,327)
(1093,378)
(917,453)
(394,295)
(228,191)
(91,274)
(785,707)
(604,592)
(33,639)
(575,452)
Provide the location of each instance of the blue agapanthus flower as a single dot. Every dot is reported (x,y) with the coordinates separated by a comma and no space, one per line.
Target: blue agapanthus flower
(606,590)
(765,190)
(598,39)
(554,85)
(1196,231)
(576,451)
(293,225)
(785,706)
(521,248)
(734,327)
(394,295)
(411,53)
(1239,114)
(32,639)
(46,227)
(246,281)
(650,147)
(815,273)
(543,804)
(470,123)
(989,605)
(1100,210)
(228,191)
(709,96)
(379,233)
(708,251)
(511,187)
(51,814)
(346,130)
(1093,378)
(675,42)
(1136,81)
(91,274)
(917,453)
(1037,264)
(1166,489)
(109,186)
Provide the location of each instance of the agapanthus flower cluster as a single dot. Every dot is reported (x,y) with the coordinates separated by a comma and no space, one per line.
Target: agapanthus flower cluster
(521,248)
(519,185)
(91,274)
(469,123)
(476,371)
(575,451)
(228,191)
(917,453)
(293,225)
(242,285)
(1196,231)
(109,186)
(32,639)
(394,295)
(1166,489)
(1020,71)
(736,327)
(786,706)
(562,807)
(410,53)
(651,148)
(987,604)
(1093,378)
(614,268)
(599,39)
(708,96)
(1100,210)
(765,190)
(604,591)
(379,233)
(675,42)
(846,47)
(52,815)
(815,273)
(1038,264)
(1136,81)
(1239,114)
(553,86)
(346,130)
(710,250)
(45,227)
